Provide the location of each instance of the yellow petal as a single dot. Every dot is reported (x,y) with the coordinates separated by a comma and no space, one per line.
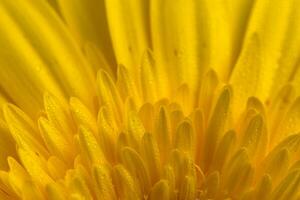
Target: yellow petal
(150,79)
(90,148)
(30,191)
(184,138)
(59,115)
(125,186)
(126,85)
(279,105)
(127,22)
(104,187)
(56,167)
(55,142)
(160,191)
(17,175)
(188,189)
(27,70)
(216,126)
(152,157)
(107,133)
(209,84)
(288,188)
(92,27)
(23,129)
(247,79)
(109,94)
(55,192)
(136,167)
(224,150)
(162,133)
(146,114)
(82,115)
(212,184)
(269,22)
(254,138)
(264,188)
(290,123)
(238,173)
(186,33)
(136,129)
(7,145)
(277,165)
(169,175)
(35,166)
(65,69)
(288,62)
(77,185)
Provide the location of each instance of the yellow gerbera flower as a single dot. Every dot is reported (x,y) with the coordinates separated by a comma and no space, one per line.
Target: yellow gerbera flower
(149,99)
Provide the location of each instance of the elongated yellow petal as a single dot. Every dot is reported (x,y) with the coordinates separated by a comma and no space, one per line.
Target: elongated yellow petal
(108,94)
(107,133)
(30,191)
(125,185)
(127,85)
(150,79)
(23,129)
(146,114)
(26,63)
(160,191)
(209,83)
(105,189)
(152,157)
(55,192)
(90,147)
(254,137)
(277,165)
(77,185)
(216,126)
(288,188)
(269,22)
(56,168)
(65,69)
(59,115)
(36,166)
(17,175)
(136,129)
(290,123)
(264,188)
(56,143)
(188,189)
(82,115)
(238,173)
(92,27)
(162,133)
(288,62)
(247,77)
(224,150)
(136,166)
(127,22)
(280,105)
(212,184)
(184,138)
